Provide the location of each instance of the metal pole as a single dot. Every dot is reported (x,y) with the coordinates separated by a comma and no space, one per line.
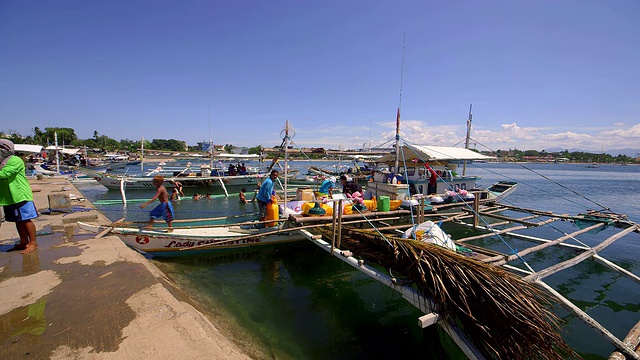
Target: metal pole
(55,135)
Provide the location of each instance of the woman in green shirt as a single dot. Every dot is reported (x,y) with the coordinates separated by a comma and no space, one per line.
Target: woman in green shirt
(17,198)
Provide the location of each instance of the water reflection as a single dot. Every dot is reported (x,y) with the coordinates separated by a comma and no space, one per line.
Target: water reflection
(27,319)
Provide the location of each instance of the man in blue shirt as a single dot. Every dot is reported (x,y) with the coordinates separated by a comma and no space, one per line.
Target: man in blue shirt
(264,195)
(326,188)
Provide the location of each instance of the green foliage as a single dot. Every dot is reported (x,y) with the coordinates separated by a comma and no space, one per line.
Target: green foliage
(255,150)
(171,144)
(66,136)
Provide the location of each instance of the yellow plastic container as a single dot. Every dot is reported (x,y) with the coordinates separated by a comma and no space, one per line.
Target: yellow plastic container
(348,209)
(272,212)
(370,204)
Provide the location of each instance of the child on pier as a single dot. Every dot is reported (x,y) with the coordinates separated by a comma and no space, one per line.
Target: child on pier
(164,209)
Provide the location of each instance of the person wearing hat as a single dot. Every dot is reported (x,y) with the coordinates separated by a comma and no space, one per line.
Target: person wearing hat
(17,198)
(326,188)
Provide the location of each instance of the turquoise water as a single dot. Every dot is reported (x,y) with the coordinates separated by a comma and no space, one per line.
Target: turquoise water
(296,301)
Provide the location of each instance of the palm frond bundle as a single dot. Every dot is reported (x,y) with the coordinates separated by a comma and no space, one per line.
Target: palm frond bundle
(504,316)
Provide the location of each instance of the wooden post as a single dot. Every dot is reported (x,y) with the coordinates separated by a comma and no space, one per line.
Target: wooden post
(339,222)
(333,227)
(476,208)
(421,216)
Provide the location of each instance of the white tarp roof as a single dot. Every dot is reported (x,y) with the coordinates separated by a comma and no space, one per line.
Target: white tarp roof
(63,150)
(237,156)
(430,153)
(70,151)
(27,148)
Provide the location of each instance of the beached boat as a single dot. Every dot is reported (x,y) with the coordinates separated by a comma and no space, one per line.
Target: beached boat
(196,235)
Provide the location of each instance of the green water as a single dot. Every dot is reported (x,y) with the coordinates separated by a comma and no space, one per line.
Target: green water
(297,302)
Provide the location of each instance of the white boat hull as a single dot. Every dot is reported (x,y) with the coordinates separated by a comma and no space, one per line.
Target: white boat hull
(113,182)
(187,240)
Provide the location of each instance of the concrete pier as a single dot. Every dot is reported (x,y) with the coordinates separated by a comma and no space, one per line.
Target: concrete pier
(78,297)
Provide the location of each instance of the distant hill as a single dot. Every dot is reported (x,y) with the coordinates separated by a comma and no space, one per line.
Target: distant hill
(628,152)
(612,152)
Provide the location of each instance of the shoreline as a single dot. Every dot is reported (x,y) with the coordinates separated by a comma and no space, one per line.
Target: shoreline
(128,307)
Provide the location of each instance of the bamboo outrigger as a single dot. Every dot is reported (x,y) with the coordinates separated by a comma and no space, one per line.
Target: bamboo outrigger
(339,235)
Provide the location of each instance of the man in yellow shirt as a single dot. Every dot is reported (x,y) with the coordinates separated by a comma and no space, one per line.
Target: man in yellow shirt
(17,198)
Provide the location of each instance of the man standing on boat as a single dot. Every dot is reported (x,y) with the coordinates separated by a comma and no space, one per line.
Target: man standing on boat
(433,180)
(264,195)
(164,210)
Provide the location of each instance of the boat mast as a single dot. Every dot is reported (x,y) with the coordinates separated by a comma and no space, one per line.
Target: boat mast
(55,136)
(286,165)
(466,142)
(142,155)
(395,169)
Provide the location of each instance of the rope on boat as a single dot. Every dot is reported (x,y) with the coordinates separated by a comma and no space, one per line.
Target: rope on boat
(528,184)
(566,188)
(602,207)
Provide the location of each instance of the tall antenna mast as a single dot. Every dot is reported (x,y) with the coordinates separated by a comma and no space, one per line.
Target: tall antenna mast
(210,149)
(466,142)
(404,41)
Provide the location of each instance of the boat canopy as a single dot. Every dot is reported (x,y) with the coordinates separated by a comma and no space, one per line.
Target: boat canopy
(27,148)
(237,156)
(432,153)
(63,150)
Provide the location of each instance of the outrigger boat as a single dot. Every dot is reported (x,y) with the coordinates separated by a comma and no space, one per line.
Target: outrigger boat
(189,178)
(403,175)
(196,235)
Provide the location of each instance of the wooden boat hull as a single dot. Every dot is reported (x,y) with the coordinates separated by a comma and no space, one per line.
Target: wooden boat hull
(159,242)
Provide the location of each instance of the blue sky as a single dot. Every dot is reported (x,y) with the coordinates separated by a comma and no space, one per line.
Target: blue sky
(540,74)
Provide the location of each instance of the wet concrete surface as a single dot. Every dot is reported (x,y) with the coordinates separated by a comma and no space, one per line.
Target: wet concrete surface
(80,297)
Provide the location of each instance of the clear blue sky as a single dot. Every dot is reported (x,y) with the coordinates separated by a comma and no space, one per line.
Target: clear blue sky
(540,74)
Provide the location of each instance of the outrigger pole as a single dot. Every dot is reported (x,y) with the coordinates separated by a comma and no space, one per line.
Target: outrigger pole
(286,165)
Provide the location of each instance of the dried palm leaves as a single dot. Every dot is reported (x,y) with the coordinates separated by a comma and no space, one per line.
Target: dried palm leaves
(505,317)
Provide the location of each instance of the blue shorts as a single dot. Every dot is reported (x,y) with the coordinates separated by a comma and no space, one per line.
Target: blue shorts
(163,210)
(21,211)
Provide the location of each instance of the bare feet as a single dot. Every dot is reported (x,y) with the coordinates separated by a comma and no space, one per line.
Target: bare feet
(169,230)
(30,248)
(17,247)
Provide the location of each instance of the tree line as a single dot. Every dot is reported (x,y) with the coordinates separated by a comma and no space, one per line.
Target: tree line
(68,137)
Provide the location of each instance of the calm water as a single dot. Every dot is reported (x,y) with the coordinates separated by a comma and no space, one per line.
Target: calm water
(297,302)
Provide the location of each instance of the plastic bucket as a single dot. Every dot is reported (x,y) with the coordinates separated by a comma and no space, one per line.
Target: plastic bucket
(383,203)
